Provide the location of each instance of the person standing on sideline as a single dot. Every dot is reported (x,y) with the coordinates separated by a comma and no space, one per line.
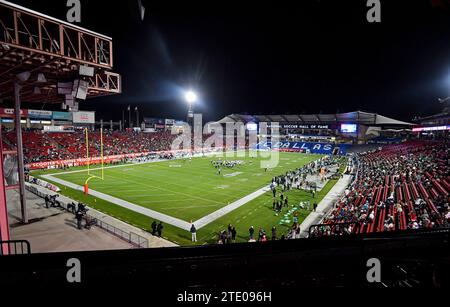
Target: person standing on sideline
(315,207)
(295,218)
(154,225)
(251,232)
(79,217)
(274,233)
(194,233)
(159,229)
(233,234)
(261,233)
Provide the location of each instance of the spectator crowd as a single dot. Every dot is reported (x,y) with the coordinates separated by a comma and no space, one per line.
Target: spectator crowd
(43,147)
(399,187)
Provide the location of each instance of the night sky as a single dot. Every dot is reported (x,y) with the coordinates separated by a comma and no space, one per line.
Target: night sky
(271,57)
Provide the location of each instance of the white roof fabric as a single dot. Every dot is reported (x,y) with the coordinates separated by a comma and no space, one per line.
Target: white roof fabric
(357,117)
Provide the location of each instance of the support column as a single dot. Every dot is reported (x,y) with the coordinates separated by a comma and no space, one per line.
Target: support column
(17,118)
(4,225)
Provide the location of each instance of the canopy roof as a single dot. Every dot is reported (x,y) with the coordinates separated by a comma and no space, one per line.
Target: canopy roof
(357,117)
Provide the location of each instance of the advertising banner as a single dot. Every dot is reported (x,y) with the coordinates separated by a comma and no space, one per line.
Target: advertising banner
(83,117)
(6,112)
(154,121)
(92,160)
(43,183)
(305,126)
(315,148)
(39,114)
(170,122)
(57,115)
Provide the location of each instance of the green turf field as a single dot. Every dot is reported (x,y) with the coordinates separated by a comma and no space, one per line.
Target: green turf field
(191,189)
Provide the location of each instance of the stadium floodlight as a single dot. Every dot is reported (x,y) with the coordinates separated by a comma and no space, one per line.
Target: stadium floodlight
(190,97)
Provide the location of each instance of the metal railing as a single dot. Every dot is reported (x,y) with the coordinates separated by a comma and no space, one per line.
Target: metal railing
(130,237)
(327,230)
(15,247)
(340,198)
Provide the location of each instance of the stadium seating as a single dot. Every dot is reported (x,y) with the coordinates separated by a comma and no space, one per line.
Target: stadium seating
(399,187)
(42,147)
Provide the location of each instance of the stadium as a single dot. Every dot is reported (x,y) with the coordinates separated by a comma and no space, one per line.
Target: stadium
(128,187)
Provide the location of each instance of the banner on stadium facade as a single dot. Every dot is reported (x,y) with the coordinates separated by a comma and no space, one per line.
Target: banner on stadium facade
(83,117)
(8,112)
(154,121)
(85,161)
(78,162)
(106,159)
(306,126)
(170,122)
(39,114)
(315,148)
(58,115)
(59,128)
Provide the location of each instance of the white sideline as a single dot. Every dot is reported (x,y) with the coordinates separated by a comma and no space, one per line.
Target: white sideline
(125,204)
(325,205)
(207,154)
(336,191)
(202,222)
(231,207)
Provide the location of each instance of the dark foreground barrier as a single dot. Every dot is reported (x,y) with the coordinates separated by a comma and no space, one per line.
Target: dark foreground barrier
(419,258)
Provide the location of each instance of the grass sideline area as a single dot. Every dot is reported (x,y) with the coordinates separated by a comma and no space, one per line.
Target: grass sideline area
(190,189)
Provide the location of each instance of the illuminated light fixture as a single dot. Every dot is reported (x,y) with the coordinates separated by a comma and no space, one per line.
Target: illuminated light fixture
(190,97)
(435,128)
(24,76)
(41,78)
(37,91)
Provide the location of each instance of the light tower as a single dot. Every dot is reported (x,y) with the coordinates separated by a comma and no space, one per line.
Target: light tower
(190,97)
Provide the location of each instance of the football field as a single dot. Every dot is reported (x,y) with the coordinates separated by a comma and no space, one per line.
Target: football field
(189,190)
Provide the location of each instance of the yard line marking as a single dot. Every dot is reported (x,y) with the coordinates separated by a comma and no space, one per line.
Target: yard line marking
(159,201)
(231,207)
(167,190)
(131,191)
(206,156)
(150,195)
(125,204)
(189,207)
(160,216)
